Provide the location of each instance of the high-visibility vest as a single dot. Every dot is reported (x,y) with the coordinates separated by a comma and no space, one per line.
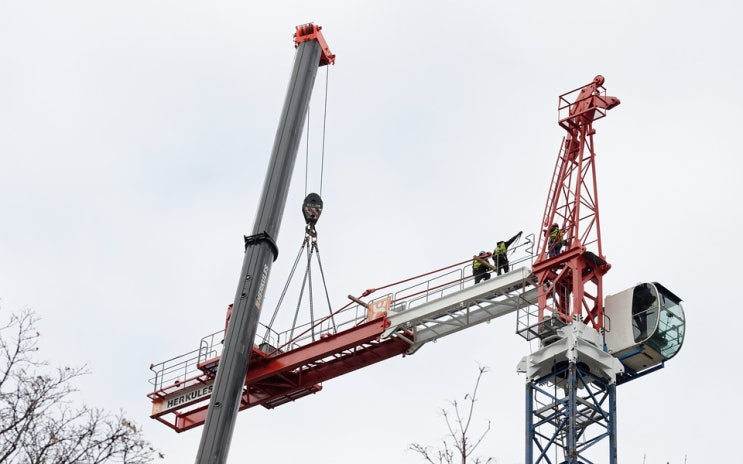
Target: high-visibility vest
(555,234)
(476,264)
(500,249)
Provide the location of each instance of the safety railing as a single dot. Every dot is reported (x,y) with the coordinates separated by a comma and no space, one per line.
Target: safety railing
(301,335)
(404,295)
(176,371)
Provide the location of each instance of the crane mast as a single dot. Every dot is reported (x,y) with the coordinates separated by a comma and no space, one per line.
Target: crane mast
(570,279)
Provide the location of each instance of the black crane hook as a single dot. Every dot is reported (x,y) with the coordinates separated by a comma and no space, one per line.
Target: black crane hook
(311,209)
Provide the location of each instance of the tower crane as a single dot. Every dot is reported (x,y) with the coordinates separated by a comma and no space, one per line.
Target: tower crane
(587,346)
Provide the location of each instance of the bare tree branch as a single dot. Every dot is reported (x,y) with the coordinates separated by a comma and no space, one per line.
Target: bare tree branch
(39,425)
(458,429)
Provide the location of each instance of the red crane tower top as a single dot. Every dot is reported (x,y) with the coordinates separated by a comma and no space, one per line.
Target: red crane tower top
(570,263)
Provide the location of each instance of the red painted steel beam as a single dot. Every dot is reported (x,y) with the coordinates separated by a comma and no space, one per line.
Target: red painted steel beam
(297,373)
(319,349)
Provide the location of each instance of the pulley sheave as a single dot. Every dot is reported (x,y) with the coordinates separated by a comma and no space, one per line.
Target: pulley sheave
(311,209)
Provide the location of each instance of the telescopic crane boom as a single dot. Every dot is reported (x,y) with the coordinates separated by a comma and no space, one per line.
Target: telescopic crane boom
(261,249)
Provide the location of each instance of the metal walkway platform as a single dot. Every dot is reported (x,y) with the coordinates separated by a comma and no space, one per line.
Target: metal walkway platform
(457,308)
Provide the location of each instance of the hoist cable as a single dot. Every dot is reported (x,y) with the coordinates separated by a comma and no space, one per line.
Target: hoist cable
(284,346)
(301,290)
(307,283)
(324,119)
(307,151)
(309,289)
(327,296)
(283,293)
(307,140)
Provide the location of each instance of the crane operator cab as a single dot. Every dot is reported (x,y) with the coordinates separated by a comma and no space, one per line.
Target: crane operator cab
(645,326)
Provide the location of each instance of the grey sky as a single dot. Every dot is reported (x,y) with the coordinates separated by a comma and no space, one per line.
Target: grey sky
(134,138)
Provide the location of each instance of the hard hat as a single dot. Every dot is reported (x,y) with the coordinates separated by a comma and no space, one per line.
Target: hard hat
(554,225)
(481,253)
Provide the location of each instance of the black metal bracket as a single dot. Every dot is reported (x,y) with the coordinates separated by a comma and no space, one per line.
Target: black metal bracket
(262,237)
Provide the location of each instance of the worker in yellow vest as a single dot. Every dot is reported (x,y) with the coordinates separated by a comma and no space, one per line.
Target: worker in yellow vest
(480,270)
(500,256)
(555,241)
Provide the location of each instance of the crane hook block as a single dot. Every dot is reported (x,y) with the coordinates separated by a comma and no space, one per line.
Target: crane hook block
(311,208)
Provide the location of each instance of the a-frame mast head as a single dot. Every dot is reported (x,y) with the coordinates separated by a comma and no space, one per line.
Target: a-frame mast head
(570,264)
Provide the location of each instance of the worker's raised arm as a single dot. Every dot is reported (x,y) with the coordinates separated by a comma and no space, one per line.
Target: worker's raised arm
(510,240)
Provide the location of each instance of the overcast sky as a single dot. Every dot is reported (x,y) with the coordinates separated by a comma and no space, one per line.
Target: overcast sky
(134,140)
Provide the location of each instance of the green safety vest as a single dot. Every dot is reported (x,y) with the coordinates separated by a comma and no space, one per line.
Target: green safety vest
(500,249)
